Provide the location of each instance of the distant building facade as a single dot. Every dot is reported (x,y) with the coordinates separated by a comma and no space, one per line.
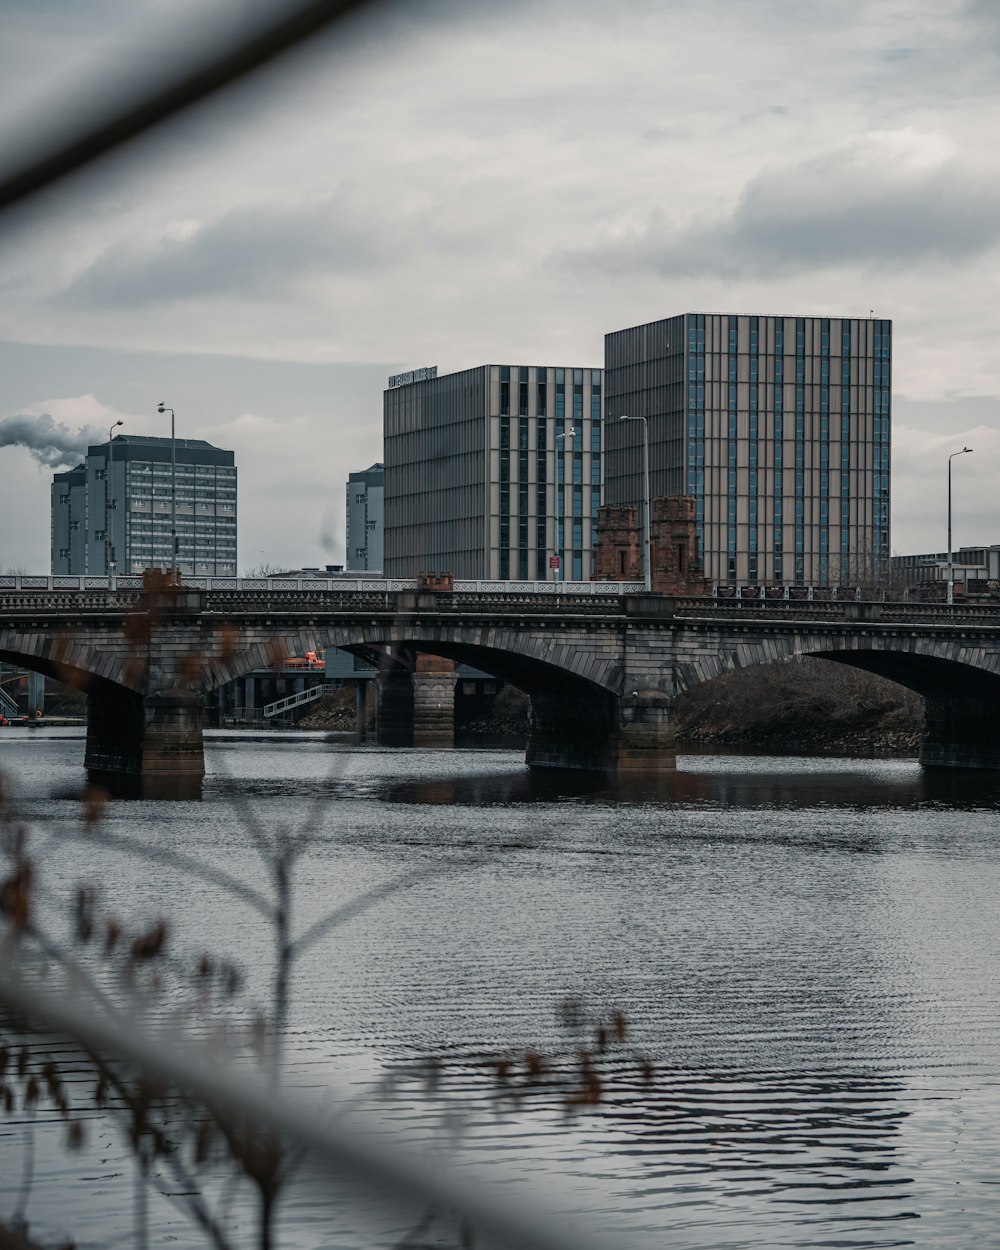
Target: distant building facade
(365,520)
(979,565)
(117,508)
(494,472)
(777,427)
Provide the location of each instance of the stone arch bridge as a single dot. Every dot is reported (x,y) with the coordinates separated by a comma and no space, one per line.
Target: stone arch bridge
(603,664)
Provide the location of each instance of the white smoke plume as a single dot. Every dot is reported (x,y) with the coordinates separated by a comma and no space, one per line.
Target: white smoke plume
(49,441)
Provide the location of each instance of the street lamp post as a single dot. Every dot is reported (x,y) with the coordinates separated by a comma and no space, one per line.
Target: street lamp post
(647,562)
(951,564)
(566,434)
(173,494)
(109,505)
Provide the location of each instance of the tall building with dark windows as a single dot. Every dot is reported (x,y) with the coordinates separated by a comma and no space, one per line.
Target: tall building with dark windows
(365,520)
(777,426)
(494,472)
(117,509)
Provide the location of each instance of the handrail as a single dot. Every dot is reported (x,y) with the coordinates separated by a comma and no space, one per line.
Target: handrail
(309,695)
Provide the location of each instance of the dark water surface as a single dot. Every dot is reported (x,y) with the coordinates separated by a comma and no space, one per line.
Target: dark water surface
(806,951)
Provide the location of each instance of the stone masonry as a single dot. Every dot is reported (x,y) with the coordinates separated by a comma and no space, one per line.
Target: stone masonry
(603,673)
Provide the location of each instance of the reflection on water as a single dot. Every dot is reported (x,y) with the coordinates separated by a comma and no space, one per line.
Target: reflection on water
(726,781)
(805,951)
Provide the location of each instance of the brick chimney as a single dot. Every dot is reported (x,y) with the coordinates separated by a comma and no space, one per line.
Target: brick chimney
(676,567)
(675,563)
(616,547)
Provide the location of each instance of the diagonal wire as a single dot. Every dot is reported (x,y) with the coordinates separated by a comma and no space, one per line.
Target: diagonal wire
(93,138)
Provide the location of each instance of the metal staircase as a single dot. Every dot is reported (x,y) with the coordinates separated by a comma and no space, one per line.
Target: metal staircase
(8,706)
(296,700)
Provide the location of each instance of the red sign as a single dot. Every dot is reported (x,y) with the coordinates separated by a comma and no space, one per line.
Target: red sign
(553,562)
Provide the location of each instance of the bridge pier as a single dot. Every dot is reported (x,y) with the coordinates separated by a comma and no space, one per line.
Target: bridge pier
(960,731)
(149,748)
(394,709)
(567,731)
(150,744)
(634,735)
(646,738)
(434,702)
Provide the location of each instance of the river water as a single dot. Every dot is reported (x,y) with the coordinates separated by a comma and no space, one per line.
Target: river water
(806,952)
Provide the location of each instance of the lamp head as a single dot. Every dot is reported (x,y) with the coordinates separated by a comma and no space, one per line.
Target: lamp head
(117,423)
(162,408)
(966,448)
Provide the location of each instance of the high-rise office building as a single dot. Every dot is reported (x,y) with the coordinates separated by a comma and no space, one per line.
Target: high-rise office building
(118,508)
(777,426)
(493,472)
(365,518)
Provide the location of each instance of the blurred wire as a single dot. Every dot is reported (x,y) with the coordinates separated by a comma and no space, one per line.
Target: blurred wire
(92,137)
(351,1144)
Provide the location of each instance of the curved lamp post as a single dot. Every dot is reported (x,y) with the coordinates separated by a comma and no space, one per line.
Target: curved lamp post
(173,493)
(109,505)
(951,564)
(647,564)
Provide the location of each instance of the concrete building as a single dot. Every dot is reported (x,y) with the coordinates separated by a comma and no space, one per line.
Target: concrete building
(972,566)
(777,427)
(124,518)
(484,478)
(365,520)
(69,521)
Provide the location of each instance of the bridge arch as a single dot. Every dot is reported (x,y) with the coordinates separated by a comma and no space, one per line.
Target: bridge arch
(81,666)
(553,661)
(573,688)
(958,680)
(933,668)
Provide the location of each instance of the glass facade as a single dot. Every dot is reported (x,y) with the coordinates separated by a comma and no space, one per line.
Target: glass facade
(124,505)
(779,427)
(492,472)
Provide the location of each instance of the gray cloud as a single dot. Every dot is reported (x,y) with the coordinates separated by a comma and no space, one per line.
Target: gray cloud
(49,441)
(247,252)
(876,203)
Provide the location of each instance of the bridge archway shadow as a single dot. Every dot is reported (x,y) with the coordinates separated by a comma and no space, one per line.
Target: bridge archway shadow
(960,698)
(573,719)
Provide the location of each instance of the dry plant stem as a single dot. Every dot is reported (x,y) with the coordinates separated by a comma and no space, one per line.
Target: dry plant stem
(191,1197)
(176,859)
(266,1168)
(141,1208)
(359,1150)
(19,1219)
(360,904)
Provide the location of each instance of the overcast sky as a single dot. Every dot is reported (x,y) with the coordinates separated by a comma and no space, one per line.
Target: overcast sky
(453,183)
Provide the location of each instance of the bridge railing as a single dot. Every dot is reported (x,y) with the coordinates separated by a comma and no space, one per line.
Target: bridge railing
(376,585)
(887,611)
(22,594)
